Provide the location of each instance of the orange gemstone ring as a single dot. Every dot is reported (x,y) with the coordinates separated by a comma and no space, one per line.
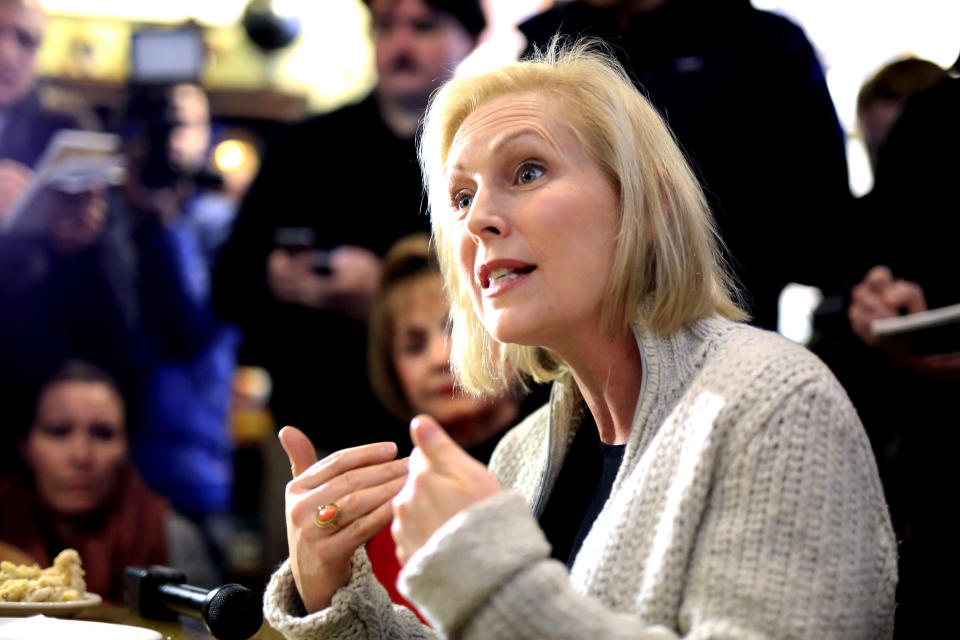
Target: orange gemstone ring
(327,515)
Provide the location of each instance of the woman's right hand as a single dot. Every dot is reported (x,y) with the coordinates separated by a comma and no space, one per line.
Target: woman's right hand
(362,482)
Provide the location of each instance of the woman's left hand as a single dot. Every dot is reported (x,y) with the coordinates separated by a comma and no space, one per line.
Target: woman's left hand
(442,481)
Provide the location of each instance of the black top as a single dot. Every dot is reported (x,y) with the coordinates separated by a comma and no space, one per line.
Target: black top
(29,126)
(581,490)
(350,179)
(910,222)
(50,306)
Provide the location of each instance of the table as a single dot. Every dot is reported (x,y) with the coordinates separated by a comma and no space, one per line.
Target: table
(184,628)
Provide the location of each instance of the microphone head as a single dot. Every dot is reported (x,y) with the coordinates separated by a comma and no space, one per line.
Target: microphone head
(232,612)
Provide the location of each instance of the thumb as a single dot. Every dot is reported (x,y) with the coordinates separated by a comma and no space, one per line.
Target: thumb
(878,278)
(437,447)
(299,449)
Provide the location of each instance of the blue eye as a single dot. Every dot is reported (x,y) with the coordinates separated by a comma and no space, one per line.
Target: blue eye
(528,174)
(462,201)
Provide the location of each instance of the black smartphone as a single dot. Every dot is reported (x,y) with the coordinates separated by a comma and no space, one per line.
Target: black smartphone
(303,239)
(295,239)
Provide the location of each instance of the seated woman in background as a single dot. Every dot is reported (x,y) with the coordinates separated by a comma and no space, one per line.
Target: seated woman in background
(80,490)
(409,364)
(691,476)
(409,353)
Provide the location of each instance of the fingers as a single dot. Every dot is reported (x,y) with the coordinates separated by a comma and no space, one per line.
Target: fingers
(442,481)
(878,278)
(358,480)
(364,513)
(345,460)
(14,172)
(355,481)
(320,557)
(299,449)
(869,303)
(879,295)
(434,444)
(360,530)
(905,295)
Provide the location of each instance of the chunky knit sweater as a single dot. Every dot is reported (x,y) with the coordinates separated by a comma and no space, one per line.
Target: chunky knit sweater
(747,506)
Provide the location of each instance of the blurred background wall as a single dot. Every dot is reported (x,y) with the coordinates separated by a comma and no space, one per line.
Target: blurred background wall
(328,60)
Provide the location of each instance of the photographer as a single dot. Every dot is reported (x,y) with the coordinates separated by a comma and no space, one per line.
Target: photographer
(182,217)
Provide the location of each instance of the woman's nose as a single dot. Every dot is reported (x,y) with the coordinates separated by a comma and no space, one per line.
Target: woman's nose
(487,216)
(81,451)
(399,42)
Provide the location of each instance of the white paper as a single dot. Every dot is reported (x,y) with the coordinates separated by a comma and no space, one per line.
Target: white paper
(73,162)
(44,628)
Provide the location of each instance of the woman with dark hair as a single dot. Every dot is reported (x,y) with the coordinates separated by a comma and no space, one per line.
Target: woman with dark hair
(80,490)
(408,354)
(408,357)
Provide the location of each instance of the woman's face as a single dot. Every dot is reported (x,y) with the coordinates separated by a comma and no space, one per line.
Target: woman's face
(77,446)
(536,222)
(421,352)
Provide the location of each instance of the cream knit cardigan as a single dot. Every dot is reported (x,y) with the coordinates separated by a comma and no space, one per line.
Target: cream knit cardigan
(747,506)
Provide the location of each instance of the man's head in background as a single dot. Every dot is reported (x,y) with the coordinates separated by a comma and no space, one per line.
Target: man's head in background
(21,29)
(419,43)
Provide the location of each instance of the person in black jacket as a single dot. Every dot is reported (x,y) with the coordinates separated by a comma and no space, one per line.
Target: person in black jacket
(907,400)
(745,96)
(27,123)
(302,264)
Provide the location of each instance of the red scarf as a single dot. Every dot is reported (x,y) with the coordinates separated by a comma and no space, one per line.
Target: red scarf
(129,531)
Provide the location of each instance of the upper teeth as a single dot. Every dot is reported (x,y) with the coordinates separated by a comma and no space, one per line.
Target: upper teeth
(503,274)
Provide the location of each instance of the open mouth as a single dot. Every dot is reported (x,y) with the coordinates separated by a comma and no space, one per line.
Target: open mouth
(492,277)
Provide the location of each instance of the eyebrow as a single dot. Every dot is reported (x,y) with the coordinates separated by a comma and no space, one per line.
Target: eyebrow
(506,139)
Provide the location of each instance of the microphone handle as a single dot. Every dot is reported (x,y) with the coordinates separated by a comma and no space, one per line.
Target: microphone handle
(183,598)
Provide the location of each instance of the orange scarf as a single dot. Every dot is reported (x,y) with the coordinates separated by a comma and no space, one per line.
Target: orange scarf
(128,531)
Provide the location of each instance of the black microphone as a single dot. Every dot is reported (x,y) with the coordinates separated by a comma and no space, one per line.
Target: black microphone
(230,612)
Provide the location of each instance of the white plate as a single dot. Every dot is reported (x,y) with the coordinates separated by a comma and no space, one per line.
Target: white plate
(58,609)
(43,628)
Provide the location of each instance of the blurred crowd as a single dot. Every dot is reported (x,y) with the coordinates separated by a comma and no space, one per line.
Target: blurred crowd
(131,312)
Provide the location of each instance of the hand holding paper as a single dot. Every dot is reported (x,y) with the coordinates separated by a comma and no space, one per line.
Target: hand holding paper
(75,162)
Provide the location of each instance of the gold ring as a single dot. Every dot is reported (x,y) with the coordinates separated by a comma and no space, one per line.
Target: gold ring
(327,515)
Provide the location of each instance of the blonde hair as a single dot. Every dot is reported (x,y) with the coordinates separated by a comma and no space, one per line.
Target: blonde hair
(667,270)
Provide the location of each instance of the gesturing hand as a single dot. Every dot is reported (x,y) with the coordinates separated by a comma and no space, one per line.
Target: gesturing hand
(361,482)
(443,480)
